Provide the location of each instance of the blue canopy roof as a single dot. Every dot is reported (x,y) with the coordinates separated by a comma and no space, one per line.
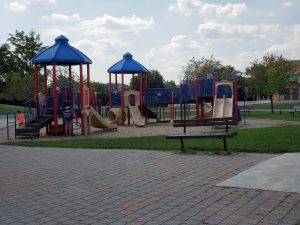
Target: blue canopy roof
(61,53)
(127,65)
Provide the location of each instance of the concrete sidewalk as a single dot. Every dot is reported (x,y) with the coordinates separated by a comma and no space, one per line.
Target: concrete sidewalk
(74,186)
(281,173)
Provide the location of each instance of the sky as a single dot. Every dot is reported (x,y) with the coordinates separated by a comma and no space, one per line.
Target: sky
(161,34)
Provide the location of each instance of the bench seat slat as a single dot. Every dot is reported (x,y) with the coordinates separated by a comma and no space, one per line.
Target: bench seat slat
(205,120)
(195,124)
(202,135)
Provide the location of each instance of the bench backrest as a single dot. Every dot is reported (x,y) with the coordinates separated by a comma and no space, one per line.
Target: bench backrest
(205,122)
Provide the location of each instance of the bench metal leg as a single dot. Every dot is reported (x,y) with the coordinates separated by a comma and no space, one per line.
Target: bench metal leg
(182,146)
(225,144)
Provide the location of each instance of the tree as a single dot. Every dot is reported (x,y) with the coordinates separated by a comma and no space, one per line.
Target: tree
(16,69)
(206,68)
(102,89)
(269,76)
(276,83)
(155,80)
(170,84)
(6,62)
(24,48)
(19,88)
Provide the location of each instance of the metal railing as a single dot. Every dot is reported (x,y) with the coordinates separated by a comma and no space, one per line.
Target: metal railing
(10,122)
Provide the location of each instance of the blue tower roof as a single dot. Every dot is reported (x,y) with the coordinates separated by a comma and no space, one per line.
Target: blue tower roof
(61,53)
(127,65)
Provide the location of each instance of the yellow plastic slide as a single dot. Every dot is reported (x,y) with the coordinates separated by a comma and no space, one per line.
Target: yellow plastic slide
(223,107)
(136,115)
(98,121)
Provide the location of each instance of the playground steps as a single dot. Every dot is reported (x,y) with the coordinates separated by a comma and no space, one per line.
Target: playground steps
(39,123)
(32,128)
(28,132)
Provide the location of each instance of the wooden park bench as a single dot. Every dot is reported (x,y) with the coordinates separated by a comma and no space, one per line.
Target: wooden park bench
(222,133)
(295,110)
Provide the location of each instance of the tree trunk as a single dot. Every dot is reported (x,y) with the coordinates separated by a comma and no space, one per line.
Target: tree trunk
(272,105)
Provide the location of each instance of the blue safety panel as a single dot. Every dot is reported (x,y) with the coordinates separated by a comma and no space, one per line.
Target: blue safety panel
(116,99)
(205,87)
(225,90)
(156,96)
(127,66)
(61,53)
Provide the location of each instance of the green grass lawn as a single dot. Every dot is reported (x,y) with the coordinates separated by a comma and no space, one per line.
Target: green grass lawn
(6,108)
(277,105)
(275,116)
(269,140)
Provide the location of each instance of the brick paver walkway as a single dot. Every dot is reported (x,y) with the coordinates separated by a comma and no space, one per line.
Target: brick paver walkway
(73,186)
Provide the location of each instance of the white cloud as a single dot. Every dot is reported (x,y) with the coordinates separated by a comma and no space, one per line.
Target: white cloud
(287,4)
(54,31)
(229,10)
(178,45)
(103,49)
(58,16)
(187,7)
(15,6)
(114,25)
(62,17)
(242,60)
(22,5)
(213,30)
(170,58)
(291,48)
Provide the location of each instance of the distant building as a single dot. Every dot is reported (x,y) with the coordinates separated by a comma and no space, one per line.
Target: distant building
(293,91)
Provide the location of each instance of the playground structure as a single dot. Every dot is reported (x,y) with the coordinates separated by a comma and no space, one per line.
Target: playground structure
(208,97)
(47,112)
(212,97)
(130,99)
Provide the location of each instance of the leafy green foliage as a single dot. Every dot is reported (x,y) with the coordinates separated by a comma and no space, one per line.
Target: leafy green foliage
(155,80)
(16,69)
(207,67)
(269,76)
(170,84)
(24,48)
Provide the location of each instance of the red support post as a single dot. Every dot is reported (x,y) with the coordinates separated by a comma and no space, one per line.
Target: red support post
(46,93)
(141,91)
(81,99)
(88,76)
(128,117)
(45,83)
(55,101)
(70,72)
(109,91)
(132,82)
(123,111)
(70,85)
(116,83)
(197,100)
(88,81)
(36,87)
